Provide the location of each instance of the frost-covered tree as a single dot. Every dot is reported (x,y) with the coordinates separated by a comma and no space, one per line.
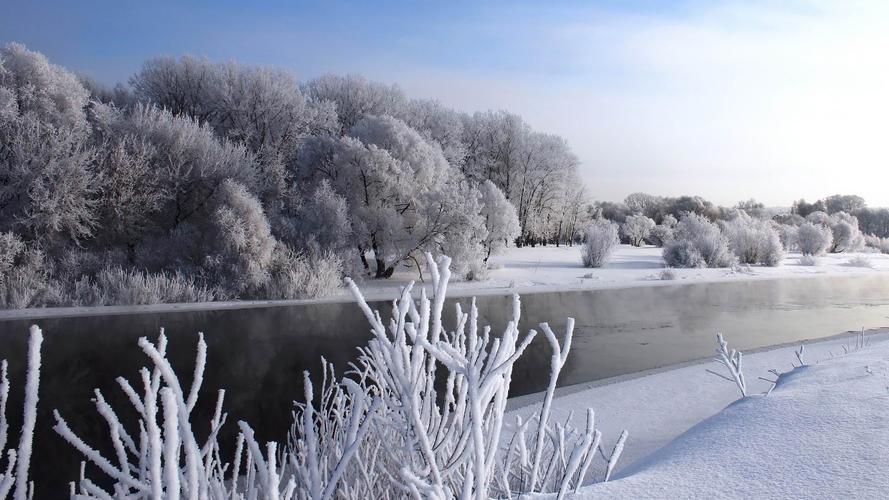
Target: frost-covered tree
(636,228)
(848,203)
(500,219)
(31,85)
(534,171)
(323,219)
(48,186)
(697,242)
(402,195)
(645,204)
(813,239)
(355,98)
(600,240)
(437,123)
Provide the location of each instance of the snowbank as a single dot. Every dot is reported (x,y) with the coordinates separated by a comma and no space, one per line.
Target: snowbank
(820,433)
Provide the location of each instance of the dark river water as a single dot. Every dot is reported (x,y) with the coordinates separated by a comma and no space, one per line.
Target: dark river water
(258,354)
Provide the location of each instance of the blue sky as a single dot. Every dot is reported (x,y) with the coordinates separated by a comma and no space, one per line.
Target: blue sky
(730,100)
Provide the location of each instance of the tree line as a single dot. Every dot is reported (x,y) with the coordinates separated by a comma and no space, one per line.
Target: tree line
(201,180)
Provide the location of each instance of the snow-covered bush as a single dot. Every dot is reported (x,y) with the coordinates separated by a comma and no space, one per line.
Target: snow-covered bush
(808,260)
(295,275)
(636,228)
(14,476)
(601,239)
(754,241)
(819,217)
(789,235)
(860,261)
(879,244)
(242,239)
(661,235)
(813,239)
(697,242)
(667,274)
(423,416)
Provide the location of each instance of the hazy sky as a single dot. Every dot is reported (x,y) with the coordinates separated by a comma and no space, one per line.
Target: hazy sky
(730,100)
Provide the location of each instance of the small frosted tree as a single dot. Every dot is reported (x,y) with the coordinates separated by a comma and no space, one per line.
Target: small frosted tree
(601,240)
(636,228)
(813,239)
(846,235)
(500,219)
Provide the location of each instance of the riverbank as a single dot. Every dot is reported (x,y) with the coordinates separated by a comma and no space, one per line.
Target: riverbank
(527,270)
(668,411)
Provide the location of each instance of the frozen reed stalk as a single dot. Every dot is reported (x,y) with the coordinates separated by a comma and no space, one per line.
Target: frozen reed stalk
(799,354)
(615,454)
(557,361)
(732,360)
(18,461)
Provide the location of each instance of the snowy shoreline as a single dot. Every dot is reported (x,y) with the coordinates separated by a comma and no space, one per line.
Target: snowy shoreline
(660,405)
(528,270)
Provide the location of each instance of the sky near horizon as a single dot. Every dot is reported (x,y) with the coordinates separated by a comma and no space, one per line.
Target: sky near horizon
(725,99)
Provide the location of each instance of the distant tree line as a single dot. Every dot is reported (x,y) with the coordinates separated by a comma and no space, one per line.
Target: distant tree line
(199,180)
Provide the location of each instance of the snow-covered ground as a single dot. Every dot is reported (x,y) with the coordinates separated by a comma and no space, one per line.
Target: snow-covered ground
(820,433)
(550,268)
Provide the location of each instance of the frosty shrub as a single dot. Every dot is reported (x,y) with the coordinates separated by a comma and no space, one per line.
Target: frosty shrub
(879,244)
(636,228)
(667,274)
(808,260)
(243,239)
(813,239)
(601,240)
(754,241)
(789,235)
(24,278)
(301,275)
(697,242)
(117,286)
(661,235)
(421,415)
(860,261)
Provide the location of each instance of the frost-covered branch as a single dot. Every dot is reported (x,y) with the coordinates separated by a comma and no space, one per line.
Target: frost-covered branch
(732,360)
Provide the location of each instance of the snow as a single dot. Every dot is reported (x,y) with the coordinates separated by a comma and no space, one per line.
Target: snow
(690,437)
(550,268)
